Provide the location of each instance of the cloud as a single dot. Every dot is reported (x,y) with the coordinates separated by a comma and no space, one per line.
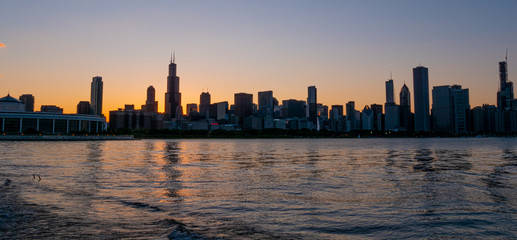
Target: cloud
(2,45)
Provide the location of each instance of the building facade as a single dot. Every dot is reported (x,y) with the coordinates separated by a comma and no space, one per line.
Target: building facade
(421,99)
(96,96)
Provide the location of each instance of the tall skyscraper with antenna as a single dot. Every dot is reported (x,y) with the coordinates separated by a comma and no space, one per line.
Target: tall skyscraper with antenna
(173,107)
(505,93)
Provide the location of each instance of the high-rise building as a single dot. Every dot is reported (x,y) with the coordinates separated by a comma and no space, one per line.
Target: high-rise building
(191,107)
(405,109)
(204,104)
(28,99)
(96,96)
(243,105)
(151,105)
(350,114)
(312,103)
(450,110)
(367,120)
(173,107)
(266,103)
(461,109)
(421,99)
(293,108)
(377,116)
(83,107)
(443,109)
(505,93)
(389,91)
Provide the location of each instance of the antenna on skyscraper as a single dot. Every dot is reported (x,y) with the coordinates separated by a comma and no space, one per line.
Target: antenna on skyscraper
(171,57)
(391,77)
(174,57)
(506,58)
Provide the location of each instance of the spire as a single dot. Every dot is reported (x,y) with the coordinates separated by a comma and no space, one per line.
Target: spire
(174,57)
(171,58)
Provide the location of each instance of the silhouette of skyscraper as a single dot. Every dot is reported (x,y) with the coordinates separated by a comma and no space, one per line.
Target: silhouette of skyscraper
(312,103)
(151,105)
(173,107)
(350,114)
(83,107)
(265,103)
(505,93)
(389,92)
(405,109)
(96,96)
(28,99)
(421,99)
(243,105)
(450,110)
(204,104)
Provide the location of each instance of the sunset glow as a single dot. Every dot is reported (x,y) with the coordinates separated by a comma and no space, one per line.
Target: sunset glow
(346,49)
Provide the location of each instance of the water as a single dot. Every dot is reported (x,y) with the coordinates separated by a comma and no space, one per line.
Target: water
(260,189)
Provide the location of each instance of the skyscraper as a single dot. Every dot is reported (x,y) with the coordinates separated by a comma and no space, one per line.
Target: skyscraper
(265,103)
(389,92)
(405,109)
(243,105)
(204,104)
(83,107)
(151,105)
(96,96)
(28,99)
(191,107)
(350,114)
(173,96)
(450,110)
(505,93)
(443,109)
(312,103)
(421,99)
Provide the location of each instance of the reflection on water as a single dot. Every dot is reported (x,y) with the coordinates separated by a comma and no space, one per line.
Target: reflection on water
(260,189)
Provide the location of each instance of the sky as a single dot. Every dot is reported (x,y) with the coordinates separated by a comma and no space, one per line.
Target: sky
(347,49)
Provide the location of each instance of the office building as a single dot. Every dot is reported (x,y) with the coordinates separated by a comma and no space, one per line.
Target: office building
(450,110)
(151,105)
(293,109)
(389,91)
(406,123)
(243,105)
(83,107)
(191,107)
(377,116)
(96,96)
(505,93)
(421,99)
(173,109)
(350,114)
(204,104)
(28,99)
(367,119)
(312,104)
(266,103)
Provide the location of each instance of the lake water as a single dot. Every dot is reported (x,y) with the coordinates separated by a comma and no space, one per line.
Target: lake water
(260,189)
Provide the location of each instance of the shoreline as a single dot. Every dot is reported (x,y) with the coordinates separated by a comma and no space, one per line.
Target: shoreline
(64,138)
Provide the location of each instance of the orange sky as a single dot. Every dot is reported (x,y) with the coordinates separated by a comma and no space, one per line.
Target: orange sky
(346,49)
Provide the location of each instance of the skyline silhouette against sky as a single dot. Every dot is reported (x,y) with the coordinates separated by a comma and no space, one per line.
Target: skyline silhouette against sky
(346,49)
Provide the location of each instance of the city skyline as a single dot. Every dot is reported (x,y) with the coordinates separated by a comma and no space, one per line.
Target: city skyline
(275,47)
